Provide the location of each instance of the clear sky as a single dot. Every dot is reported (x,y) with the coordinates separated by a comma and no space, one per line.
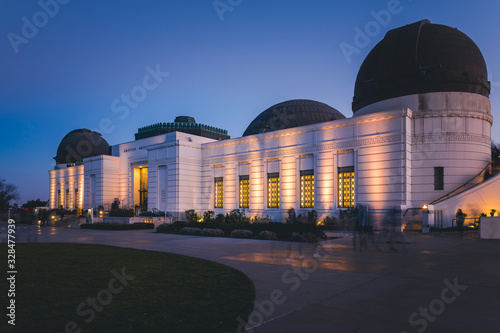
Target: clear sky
(227,61)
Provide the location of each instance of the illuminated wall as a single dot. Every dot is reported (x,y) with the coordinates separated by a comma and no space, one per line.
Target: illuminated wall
(66,179)
(102,181)
(386,154)
(298,168)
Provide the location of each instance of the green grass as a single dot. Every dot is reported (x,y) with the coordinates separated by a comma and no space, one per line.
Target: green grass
(169,293)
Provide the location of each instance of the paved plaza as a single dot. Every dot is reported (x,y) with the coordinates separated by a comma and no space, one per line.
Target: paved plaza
(434,283)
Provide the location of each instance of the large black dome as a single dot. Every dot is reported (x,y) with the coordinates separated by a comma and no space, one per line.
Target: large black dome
(79,144)
(420,58)
(293,113)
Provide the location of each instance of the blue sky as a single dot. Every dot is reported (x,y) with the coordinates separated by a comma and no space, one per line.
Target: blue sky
(224,65)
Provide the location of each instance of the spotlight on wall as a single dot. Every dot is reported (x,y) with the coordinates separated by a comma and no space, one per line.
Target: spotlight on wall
(425,207)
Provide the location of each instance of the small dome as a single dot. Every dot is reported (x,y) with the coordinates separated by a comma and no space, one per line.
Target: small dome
(79,144)
(420,58)
(293,113)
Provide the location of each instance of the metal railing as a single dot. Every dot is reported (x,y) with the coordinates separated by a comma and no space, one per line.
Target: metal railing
(472,220)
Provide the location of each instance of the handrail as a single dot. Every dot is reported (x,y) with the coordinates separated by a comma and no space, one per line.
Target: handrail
(462,186)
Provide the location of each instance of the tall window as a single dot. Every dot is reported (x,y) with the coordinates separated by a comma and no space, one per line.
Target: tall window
(244,191)
(67,198)
(77,199)
(438,178)
(59,198)
(306,188)
(143,188)
(218,192)
(346,187)
(273,190)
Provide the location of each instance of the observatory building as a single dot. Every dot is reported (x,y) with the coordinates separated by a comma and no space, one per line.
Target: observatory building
(420,131)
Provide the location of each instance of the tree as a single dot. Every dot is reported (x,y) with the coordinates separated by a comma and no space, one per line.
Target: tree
(8,193)
(495,158)
(31,204)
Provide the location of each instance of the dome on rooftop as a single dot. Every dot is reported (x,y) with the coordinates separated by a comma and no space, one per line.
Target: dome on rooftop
(420,58)
(79,144)
(293,113)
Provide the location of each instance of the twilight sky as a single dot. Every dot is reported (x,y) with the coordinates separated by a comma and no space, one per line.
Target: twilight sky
(227,61)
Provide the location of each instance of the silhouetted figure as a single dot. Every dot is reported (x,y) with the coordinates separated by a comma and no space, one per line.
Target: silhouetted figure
(360,229)
(460,216)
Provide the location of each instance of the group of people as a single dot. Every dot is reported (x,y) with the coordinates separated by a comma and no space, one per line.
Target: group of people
(43,216)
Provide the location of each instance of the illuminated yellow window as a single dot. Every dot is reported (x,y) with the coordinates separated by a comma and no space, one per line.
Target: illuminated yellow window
(244,191)
(218,192)
(77,199)
(58,198)
(346,187)
(143,188)
(273,190)
(307,189)
(67,199)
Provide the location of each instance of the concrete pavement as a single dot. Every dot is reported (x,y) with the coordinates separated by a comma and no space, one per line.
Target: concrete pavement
(431,283)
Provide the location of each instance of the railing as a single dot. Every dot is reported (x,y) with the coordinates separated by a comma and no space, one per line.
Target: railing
(472,220)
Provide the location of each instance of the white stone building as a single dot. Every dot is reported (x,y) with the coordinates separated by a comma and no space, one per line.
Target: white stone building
(421,129)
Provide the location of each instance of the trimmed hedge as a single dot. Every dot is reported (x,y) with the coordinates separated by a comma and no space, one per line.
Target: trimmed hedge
(121,213)
(212,232)
(267,235)
(190,231)
(241,233)
(282,231)
(117,226)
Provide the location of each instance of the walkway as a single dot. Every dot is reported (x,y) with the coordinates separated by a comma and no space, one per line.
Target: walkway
(435,283)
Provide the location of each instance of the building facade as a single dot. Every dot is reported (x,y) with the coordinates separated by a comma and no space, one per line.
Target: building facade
(421,129)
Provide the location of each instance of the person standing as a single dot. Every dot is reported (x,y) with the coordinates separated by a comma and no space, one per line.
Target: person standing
(460,216)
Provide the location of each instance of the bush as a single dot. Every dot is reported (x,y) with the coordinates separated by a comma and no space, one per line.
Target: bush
(156,213)
(190,231)
(267,235)
(241,233)
(171,227)
(164,227)
(292,216)
(212,232)
(282,231)
(208,216)
(220,218)
(191,215)
(122,213)
(306,237)
(312,216)
(236,216)
(117,226)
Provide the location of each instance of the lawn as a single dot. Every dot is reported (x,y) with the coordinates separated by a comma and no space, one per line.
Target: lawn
(96,288)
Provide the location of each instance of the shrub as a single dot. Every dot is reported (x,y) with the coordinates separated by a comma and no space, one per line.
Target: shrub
(208,216)
(164,227)
(263,219)
(241,233)
(117,226)
(267,235)
(122,213)
(312,216)
(190,231)
(236,216)
(174,227)
(220,218)
(191,215)
(292,216)
(156,213)
(212,232)
(306,237)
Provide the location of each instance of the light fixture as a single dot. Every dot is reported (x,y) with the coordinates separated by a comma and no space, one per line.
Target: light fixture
(425,207)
